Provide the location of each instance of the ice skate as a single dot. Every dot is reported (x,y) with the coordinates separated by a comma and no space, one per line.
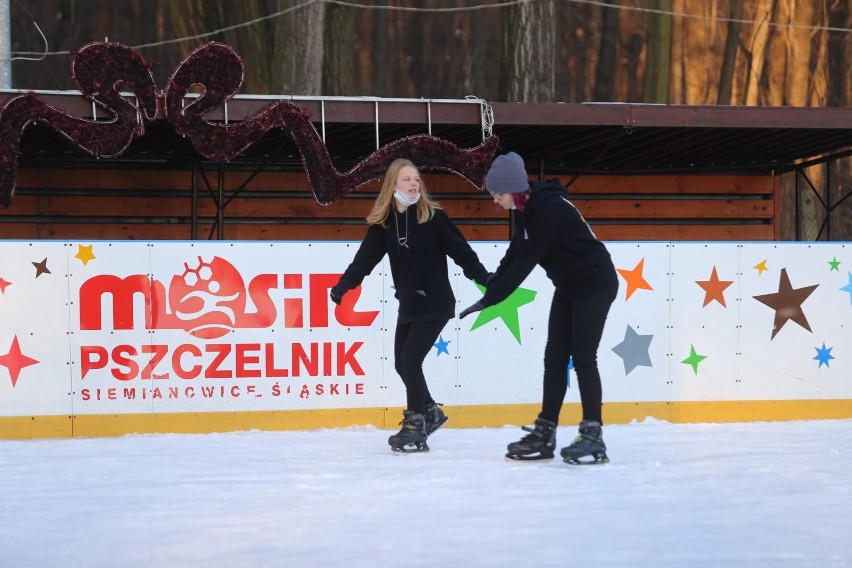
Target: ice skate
(537,445)
(435,418)
(588,448)
(412,436)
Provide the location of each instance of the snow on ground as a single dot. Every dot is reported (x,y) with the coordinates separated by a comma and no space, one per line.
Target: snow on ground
(773,494)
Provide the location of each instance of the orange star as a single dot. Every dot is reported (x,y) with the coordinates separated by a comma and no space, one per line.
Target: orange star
(714,289)
(14,360)
(634,279)
(760,267)
(85,254)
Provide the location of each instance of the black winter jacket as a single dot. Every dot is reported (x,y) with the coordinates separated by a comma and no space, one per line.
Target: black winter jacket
(419,270)
(551,232)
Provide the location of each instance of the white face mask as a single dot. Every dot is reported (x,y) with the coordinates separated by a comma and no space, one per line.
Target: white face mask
(405,199)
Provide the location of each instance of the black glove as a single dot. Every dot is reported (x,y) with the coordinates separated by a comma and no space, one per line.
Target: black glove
(473,308)
(337,292)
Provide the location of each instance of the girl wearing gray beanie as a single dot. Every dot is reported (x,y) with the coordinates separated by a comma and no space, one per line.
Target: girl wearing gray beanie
(550,232)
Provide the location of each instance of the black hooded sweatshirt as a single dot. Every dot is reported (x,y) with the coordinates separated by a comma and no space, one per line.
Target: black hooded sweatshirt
(418,262)
(551,232)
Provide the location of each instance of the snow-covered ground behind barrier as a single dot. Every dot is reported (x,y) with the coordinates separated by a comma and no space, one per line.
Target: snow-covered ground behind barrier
(772,494)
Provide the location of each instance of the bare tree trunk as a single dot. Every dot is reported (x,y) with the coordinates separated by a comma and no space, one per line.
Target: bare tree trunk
(695,69)
(657,62)
(678,66)
(777,61)
(474,39)
(340,77)
(729,56)
(584,53)
(529,61)
(606,68)
(839,53)
(760,38)
(819,63)
(794,87)
(256,45)
(381,54)
(476,82)
(300,64)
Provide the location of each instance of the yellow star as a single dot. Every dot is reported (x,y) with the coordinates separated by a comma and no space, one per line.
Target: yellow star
(85,254)
(760,267)
(634,279)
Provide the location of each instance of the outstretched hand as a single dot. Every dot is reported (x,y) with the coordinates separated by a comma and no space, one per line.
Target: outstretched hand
(336,294)
(473,308)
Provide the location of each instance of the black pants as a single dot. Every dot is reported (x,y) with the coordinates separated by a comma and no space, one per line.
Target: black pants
(412,343)
(574,330)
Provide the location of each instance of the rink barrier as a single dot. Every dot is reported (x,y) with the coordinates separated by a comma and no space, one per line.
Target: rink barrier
(110,338)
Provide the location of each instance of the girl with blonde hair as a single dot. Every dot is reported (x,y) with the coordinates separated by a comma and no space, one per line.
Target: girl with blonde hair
(417,236)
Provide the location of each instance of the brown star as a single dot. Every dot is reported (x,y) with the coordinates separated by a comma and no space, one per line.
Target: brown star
(714,289)
(787,303)
(41,267)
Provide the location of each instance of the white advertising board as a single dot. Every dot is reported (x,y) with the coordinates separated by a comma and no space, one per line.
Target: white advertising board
(100,328)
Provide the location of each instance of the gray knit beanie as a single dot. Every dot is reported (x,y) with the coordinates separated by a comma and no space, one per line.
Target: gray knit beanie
(507,175)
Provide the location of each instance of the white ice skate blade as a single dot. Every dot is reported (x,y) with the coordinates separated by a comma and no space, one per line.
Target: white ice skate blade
(592,461)
(410,450)
(535,458)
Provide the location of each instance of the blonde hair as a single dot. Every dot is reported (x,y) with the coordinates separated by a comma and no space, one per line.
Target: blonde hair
(385,201)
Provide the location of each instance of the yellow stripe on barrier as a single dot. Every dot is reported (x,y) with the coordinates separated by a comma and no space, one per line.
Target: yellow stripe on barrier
(468,416)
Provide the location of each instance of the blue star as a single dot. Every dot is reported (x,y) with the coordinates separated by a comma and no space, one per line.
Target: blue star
(442,346)
(848,288)
(823,355)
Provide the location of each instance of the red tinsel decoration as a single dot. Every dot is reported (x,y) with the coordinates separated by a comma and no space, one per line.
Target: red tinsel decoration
(102,69)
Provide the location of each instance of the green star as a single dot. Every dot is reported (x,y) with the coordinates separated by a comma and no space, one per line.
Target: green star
(694,359)
(835,264)
(507,310)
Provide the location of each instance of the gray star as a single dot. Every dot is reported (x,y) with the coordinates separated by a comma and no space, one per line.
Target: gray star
(634,350)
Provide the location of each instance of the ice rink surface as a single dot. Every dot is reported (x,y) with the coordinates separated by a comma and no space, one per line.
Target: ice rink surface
(770,494)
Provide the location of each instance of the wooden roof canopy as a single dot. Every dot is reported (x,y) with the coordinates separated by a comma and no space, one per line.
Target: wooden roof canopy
(613,138)
(553,138)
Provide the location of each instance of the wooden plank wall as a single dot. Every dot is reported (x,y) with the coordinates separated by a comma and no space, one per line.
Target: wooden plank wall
(118,204)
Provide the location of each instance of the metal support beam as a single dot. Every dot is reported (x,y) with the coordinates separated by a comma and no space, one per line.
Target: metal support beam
(193,209)
(220,202)
(829,208)
(798,207)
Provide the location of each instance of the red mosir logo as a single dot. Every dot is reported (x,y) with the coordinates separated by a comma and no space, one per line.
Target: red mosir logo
(209,299)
